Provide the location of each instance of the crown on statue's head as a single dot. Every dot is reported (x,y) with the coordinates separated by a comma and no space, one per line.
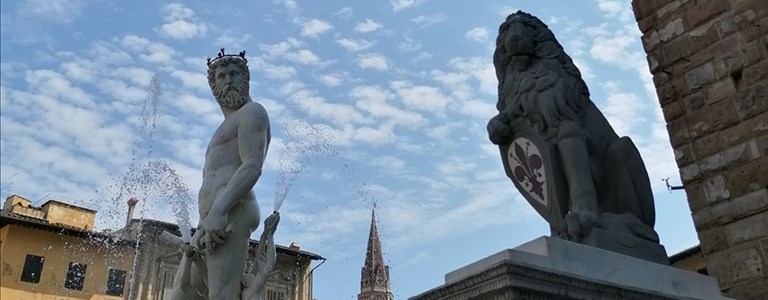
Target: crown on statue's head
(221,54)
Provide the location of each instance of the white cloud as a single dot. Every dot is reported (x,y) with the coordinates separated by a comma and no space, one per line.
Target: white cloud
(477,34)
(337,113)
(429,20)
(181,23)
(372,61)
(151,51)
(53,11)
(232,40)
(192,80)
(355,45)
(398,5)
(332,79)
(291,5)
(367,26)
(420,97)
(286,51)
(315,27)
(623,109)
(278,72)
(375,101)
(389,163)
(345,12)
(303,56)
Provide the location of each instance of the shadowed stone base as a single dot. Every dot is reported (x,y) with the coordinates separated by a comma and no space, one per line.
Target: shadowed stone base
(551,268)
(626,244)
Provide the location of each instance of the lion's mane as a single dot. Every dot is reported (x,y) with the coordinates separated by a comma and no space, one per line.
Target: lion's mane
(549,89)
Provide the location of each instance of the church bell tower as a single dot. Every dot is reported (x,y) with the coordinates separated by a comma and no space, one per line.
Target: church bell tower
(374,278)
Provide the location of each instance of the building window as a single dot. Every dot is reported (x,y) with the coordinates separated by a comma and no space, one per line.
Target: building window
(115,282)
(33,266)
(168,284)
(275,295)
(75,276)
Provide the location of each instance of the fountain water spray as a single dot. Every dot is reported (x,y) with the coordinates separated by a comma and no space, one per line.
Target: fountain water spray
(304,144)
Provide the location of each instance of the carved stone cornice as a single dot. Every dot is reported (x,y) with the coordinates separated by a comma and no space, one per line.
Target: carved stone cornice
(509,280)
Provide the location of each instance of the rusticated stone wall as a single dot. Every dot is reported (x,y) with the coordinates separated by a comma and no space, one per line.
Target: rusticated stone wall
(709,60)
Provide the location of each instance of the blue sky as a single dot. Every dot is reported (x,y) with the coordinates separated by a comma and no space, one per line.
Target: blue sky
(370,101)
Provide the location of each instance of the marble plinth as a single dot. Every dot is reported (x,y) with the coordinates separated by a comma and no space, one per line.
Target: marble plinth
(551,268)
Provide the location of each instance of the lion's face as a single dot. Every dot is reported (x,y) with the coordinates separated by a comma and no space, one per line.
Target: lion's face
(518,40)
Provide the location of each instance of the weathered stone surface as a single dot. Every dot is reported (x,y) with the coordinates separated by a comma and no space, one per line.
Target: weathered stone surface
(754,126)
(716,116)
(754,289)
(715,51)
(707,145)
(673,110)
(756,51)
(727,211)
(678,131)
(757,72)
(690,173)
(749,177)
(669,10)
(703,11)
(730,157)
(693,102)
(762,145)
(756,30)
(697,196)
(752,101)
(670,31)
(704,36)
(717,188)
(647,24)
(712,240)
(747,229)
(737,264)
(700,76)
(646,8)
(676,50)
(719,90)
(684,154)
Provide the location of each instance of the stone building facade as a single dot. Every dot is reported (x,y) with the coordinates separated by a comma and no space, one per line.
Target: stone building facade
(709,61)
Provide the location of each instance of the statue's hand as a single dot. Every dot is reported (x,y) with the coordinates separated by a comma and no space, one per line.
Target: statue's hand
(270,224)
(214,231)
(499,130)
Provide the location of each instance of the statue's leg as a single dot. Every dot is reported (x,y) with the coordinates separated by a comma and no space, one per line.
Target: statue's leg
(574,158)
(227,262)
(628,177)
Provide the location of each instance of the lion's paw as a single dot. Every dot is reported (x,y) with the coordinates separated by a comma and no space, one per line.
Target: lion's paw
(579,224)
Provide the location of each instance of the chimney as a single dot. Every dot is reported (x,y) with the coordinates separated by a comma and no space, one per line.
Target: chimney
(294,246)
(131,204)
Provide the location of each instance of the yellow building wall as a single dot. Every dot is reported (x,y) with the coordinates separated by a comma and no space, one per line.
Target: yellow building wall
(58,213)
(59,250)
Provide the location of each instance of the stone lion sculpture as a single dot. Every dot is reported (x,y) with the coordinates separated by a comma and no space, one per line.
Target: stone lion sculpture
(541,92)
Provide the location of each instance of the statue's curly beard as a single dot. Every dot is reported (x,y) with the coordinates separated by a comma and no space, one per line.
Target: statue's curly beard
(231,96)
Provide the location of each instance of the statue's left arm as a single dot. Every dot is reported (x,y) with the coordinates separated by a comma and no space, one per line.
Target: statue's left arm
(252,141)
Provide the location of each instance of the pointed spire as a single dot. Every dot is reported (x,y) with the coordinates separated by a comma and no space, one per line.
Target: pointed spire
(374,279)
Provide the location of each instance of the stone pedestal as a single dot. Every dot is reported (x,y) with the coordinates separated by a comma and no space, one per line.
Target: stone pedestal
(551,268)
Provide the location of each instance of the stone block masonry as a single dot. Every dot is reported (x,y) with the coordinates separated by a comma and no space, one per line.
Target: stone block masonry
(709,61)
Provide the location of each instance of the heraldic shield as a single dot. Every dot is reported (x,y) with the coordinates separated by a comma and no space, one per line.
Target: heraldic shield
(533,166)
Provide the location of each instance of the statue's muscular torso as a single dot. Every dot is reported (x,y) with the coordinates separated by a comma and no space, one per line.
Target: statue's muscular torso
(222,159)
